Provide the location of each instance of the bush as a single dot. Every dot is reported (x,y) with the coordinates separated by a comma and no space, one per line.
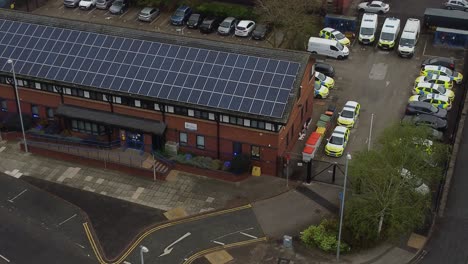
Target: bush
(324,236)
(225,10)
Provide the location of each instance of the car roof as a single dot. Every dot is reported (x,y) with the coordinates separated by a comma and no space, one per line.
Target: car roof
(377,2)
(340,130)
(437,97)
(229,19)
(244,23)
(435,67)
(323,65)
(438,76)
(427,85)
(329,29)
(351,104)
(147,9)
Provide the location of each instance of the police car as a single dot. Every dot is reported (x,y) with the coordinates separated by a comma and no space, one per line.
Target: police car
(331,33)
(349,115)
(324,80)
(437,100)
(320,91)
(443,71)
(431,88)
(445,81)
(337,142)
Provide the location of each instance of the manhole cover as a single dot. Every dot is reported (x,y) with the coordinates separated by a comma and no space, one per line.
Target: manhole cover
(283,261)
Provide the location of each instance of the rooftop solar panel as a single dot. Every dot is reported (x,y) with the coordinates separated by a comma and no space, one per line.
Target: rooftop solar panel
(229,81)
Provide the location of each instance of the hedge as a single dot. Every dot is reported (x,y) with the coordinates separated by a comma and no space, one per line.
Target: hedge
(225,10)
(324,236)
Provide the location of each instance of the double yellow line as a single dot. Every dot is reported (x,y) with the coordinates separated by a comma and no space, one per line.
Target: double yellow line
(101,260)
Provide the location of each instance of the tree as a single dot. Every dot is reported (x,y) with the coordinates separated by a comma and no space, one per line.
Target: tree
(389,185)
(294,20)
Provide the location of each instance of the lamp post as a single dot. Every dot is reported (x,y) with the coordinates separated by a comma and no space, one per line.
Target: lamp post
(10,61)
(348,157)
(143,249)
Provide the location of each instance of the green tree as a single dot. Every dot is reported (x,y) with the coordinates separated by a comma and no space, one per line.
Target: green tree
(390,184)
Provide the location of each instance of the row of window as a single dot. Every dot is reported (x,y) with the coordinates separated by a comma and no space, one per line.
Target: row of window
(145,104)
(88,127)
(34,109)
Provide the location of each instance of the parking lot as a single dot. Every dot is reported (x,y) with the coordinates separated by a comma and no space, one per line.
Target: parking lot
(130,19)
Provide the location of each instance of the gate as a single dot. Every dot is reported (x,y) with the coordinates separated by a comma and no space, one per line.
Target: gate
(321,171)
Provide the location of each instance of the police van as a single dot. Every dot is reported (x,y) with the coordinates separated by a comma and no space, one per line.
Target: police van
(409,37)
(368,28)
(389,34)
(327,47)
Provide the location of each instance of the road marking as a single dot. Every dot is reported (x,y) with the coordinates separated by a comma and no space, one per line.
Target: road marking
(232,233)
(137,193)
(7,260)
(248,235)
(169,248)
(66,220)
(18,195)
(2,149)
(219,243)
(81,246)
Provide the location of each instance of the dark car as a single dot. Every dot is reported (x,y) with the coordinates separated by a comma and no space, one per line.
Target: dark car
(195,20)
(181,15)
(426,120)
(261,31)
(118,7)
(440,61)
(325,68)
(417,108)
(209,24)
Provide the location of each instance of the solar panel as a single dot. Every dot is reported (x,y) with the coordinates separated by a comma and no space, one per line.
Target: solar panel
(229,81)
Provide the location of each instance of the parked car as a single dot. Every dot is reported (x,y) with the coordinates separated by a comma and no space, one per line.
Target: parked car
(328,47)
(209,24)
(71,3)
(440,61)
(457,5)
(181,15)
(349,115)
(374,7)
(227,26)
(426,120)
(324,80)
(261,31)
(244,28)
(437,100)
(321,91)
(148,14)
(337,142)
(87,4)
(325,68)
(103,4)
(445,81)
(441,70)
(118,7)
(424,108)
(331,33)
(195,20)
(431,88)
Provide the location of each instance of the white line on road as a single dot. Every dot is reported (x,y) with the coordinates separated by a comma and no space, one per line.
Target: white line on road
(18,195)
(248,235)
(81,246)
(250,228)
(169,248)
(7,260)
(66,220)
(217,242)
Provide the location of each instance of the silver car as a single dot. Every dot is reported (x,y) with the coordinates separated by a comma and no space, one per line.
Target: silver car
(148,14)
(103,4)
(227,26)
(457,5)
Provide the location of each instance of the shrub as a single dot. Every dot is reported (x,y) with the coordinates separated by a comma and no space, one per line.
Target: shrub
(324,236)
(225,10)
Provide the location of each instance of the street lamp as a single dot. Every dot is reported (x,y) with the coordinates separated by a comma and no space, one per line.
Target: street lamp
(143,249)
(10,61)
(348,157)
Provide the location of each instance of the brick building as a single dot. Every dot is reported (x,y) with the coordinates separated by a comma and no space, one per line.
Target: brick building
(144,89)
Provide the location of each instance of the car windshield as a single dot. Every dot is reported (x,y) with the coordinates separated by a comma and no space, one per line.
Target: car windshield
(320,76)
(317,86)
(387,36)
(407,42)
(118,3)
(449,72)
(241,28)
(367,31)
(336,140)
(207,22)
(179,14)
(441,90)
(339,35)
(347,114)
(225,24)
(339,46)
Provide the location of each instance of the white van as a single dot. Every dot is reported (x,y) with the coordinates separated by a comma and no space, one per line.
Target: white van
(327,47)
(409,37)
(389,34)
(368,28)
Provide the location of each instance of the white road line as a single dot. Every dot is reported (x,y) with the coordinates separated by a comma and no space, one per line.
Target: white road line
(66,220)
(7,260)
(2,149)
(250,228)
(217,242)
(81,246)
(248,235)
(18,195)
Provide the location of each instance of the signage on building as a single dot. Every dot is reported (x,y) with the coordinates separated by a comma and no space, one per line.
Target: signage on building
(190,126)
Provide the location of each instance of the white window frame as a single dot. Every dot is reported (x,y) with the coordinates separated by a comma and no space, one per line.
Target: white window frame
(268,126)
(224,118)
(169,109)
(156,107)
(200,142)
(137,103)
(191,112)
(183,135)
(246,122)
(37,86)
(85,94)
(117,99)
(66,91)
(211,116)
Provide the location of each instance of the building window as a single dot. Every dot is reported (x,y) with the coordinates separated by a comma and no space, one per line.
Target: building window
(169,109)
(211,116)
(68,91)
(88,127)
(3,105)
(255,152)
(137,103)
(85,94)
(50,113)
(225,119)
(268,126)
(191,112)
(37,86)
(236,148)
(181,110)
(156,107)
(183,139)
(35,111)
(200,142)
(2,79)
(246,122)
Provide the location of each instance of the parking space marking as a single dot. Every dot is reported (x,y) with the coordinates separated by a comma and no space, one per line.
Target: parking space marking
(248,235)
(68,219)
(7,260)
(18,195)
(92,10)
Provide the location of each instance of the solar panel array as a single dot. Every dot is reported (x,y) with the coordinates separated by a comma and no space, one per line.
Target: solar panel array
(223,80)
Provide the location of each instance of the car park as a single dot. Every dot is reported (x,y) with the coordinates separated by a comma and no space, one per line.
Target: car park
(443,71)
(228,26)
(244,28)
(445,81)
(426,120)
(148,14)
(389,34)
(195,20)
(331,33)
(431,88)
(349,114)
(325,68)
(436,100)
(327,47)
(181,15)
(209,25)
(456,5)
(337,142)
(440,61)
(418,108)
(324,80)
(104,4)
(261,31)
(368,28)
(118,7)
(374,7)
(320,91)
(409,38)
(71,3)
(87,4)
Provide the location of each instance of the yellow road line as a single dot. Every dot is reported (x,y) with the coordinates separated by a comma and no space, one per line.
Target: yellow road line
(152,230)
(213,249)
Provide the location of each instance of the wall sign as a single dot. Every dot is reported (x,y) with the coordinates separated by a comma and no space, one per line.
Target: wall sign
(190,126)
